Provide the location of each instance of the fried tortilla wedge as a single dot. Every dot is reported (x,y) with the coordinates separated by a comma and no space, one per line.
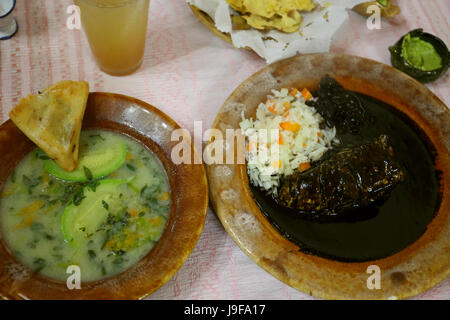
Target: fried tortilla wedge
(52,120)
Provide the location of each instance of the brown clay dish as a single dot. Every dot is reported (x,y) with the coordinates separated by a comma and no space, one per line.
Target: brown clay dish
(409,272)
(188,183)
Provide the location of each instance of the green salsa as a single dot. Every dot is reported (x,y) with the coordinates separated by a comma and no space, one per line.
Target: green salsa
(104,225)
(420,54)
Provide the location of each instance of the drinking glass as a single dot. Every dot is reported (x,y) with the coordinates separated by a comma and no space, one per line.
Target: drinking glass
(116,31)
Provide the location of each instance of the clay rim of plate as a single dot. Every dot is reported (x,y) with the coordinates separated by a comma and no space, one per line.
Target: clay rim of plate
(188,183)
(413,270)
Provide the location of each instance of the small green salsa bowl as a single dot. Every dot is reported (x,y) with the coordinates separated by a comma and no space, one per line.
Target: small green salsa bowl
(399,61)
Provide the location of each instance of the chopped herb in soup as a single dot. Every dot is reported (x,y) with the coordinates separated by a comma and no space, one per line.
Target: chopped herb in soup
(103,217)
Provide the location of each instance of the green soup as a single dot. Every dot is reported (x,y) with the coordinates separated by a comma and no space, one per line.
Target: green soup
(103,225)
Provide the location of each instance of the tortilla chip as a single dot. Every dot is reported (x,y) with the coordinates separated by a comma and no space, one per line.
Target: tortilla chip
(52,120)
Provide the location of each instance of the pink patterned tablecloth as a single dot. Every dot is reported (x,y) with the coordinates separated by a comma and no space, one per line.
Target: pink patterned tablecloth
(188,73)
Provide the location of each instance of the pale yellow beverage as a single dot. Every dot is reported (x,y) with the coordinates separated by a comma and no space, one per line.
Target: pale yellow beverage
(116,30)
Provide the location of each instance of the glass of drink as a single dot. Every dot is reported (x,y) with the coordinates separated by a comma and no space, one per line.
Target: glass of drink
(116,31)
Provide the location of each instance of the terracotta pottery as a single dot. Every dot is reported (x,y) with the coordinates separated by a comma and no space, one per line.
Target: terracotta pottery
(409,272)
(188,183)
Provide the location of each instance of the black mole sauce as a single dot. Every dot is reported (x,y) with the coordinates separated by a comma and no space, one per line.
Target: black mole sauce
(388,227)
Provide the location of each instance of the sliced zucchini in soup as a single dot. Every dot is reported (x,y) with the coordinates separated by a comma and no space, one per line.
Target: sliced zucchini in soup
(80,220)
(95,161)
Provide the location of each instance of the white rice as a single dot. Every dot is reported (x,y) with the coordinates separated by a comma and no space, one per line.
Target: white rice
(303,141)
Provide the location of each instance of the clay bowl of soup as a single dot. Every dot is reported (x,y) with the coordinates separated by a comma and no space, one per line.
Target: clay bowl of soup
(118,230)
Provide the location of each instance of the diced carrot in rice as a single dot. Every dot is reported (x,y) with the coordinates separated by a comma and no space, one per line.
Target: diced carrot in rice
(290,126)
(306,94)
(280,139)
(304,166)
(272,108)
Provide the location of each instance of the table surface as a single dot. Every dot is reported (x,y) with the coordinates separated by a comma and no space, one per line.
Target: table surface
(188,73)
